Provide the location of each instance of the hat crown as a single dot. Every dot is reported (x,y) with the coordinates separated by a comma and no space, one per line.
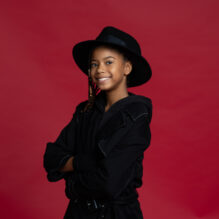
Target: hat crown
(118,37)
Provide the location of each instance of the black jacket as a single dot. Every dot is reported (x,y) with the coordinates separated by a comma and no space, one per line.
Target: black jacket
(108,149)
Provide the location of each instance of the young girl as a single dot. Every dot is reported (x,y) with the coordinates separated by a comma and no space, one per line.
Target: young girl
(99,153)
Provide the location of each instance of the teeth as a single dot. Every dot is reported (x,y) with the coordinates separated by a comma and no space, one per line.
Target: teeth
(102,79)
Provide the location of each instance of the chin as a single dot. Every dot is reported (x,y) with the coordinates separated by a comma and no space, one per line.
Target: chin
(105,87)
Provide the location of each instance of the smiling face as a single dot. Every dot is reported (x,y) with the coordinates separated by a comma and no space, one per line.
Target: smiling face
(109,68)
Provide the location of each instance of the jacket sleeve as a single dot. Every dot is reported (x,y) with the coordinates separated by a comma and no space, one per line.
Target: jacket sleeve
(114,172)
(57,153)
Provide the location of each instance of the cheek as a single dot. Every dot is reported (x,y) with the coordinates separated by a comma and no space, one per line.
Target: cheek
(118,72)
(92,71)
(92,75)
(116,69)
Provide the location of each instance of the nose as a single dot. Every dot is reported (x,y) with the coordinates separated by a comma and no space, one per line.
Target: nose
(100,68)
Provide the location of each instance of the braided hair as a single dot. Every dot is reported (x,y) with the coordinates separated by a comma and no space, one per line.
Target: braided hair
(92,88)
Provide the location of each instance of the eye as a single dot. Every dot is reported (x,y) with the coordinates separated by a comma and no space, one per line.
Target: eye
(109,62)
(93,65)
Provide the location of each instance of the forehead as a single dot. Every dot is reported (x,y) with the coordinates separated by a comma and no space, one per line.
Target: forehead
(105,50)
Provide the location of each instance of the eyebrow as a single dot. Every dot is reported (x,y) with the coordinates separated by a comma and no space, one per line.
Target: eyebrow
(104,58)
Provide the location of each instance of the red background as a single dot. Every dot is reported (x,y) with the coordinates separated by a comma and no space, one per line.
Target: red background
(41,85)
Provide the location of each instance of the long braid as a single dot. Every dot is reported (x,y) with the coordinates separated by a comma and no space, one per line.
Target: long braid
(92,89)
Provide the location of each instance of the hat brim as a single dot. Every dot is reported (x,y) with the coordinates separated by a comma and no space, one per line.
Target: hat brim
(141,70)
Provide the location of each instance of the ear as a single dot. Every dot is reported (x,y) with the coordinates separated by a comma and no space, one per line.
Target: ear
(128,67)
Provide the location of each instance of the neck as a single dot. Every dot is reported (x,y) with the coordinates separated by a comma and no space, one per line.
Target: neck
(113,96)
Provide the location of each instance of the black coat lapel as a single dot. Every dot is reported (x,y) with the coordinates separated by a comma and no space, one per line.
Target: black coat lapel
(110,123)
(112,131)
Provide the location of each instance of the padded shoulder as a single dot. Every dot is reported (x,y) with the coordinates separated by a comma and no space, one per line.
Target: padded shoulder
(136,110)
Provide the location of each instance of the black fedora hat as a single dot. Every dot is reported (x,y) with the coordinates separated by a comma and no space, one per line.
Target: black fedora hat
(141,71)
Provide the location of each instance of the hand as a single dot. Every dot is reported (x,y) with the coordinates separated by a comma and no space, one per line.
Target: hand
(68,165)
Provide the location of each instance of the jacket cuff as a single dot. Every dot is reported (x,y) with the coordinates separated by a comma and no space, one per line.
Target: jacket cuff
(55,175)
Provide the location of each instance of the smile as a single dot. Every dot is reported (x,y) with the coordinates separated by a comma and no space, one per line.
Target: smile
(102,79)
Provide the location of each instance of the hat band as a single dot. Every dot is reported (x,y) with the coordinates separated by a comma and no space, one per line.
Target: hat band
(112,39)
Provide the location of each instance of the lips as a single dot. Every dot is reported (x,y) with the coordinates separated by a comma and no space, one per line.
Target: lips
(103,78)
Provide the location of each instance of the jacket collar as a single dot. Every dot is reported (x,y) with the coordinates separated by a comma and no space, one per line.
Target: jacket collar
(127,104)
(100,101)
